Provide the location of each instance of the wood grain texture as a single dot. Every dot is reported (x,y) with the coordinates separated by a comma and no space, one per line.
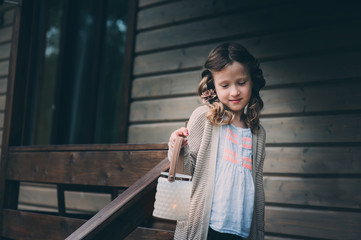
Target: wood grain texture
(308,99)
(273,237)
(26,225)
(298,15)
(5,51)
(164,109)
(166,85)
(152,133)
(146,3)
(89,147)
(8,16)
(275,45)
(311,129)
(319,192)
(313,223)
(4,68)
(5,34)
(126,212)
(179,11)
(43,197)
(313,98)
(2,105)
(1,119)
(3,85)
(38,195)
(87,168)
(313,160)
(84,202)
(312,69)
(142,233)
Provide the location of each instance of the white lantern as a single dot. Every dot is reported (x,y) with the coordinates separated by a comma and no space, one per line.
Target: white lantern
(173,191)
(172,198)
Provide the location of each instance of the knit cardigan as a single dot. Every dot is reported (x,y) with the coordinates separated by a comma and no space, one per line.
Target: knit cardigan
(200,161)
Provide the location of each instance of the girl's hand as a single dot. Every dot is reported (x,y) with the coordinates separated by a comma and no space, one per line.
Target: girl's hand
(181,132)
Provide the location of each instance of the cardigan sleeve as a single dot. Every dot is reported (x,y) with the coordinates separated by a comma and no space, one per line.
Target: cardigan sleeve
(195,129)
(260,197)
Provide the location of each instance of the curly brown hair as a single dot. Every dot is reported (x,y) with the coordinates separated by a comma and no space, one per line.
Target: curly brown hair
(220,57)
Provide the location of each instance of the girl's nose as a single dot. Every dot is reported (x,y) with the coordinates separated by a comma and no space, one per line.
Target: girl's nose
(235,91)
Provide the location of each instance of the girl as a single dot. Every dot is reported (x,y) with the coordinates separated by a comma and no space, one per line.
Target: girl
(224,150)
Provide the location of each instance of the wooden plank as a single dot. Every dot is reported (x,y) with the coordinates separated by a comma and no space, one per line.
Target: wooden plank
(3,85)
(147,3)
(8,17)
(312,160)
(166,85)
(126,212)
(320,192)
(4,68)
(26,225)
(127,69)
(253,22)
(313,129)
(275,45)
(178,11)
(153,110)
(90,147)
(273,237)
(142,233)
(158,223)
(308,99)
(44,196)
(111,168)
(313,223)
(155,132)
(1,119)
(312,68)
(313,98)
(86,202)
(5,51)
(36,208)
(5,34)
(38,195)
(2,104)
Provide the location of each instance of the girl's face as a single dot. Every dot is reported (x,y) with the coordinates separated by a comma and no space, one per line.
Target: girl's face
(233,86)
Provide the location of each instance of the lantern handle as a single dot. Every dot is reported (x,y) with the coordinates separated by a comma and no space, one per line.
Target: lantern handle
(175,158)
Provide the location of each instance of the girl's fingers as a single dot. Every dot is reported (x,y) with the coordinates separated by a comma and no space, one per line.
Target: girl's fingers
(181,132)
(185,142)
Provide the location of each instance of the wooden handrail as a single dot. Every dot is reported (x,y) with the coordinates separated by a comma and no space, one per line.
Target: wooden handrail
(124,206)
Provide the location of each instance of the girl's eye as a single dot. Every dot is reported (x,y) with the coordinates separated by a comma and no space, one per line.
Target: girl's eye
(242,83)
(224,85)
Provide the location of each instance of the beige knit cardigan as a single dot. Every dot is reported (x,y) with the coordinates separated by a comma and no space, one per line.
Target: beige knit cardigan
(200,161)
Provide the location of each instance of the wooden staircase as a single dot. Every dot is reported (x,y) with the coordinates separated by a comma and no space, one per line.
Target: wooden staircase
(101,168)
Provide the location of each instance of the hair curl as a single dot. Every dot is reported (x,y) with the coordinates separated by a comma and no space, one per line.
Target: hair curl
(220,57)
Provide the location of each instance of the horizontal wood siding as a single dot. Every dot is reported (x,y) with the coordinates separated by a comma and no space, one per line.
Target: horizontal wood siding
(103,168)
(5,45)
(310,55)
(41,169)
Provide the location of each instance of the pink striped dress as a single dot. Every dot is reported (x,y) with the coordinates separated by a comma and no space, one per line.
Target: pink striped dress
(233,199)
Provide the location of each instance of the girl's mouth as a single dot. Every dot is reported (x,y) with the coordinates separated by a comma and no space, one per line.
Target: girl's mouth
(236,100)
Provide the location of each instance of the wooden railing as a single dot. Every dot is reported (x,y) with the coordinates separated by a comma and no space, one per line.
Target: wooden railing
(111,167)
(124,214)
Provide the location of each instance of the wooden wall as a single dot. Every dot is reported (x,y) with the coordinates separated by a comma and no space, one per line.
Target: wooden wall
(311,57)
(39,197)
(7,18)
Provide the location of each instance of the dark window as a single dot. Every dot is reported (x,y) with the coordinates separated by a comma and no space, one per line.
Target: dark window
(74,82)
